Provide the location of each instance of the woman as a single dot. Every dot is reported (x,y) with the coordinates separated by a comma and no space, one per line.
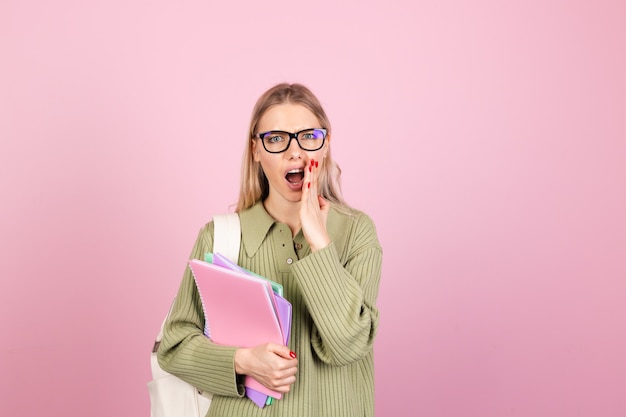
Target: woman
(298,231)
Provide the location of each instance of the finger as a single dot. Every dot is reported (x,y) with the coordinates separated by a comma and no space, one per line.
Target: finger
(282,351)
(284,386)
(286,383)
(306,185)
(314,171)
(314,176)
(285,376)
(304,197)
(324,205)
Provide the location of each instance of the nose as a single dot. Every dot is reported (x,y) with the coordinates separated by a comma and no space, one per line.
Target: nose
(294,150)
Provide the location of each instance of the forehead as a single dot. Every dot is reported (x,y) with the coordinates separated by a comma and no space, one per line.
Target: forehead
(289,117)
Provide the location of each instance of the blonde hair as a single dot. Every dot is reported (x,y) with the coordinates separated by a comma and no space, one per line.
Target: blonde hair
(254,184)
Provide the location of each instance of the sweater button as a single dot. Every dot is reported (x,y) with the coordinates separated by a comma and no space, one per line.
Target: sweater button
(298,246)
(289,261)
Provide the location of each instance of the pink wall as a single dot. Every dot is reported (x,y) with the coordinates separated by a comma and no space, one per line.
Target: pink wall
(487,139)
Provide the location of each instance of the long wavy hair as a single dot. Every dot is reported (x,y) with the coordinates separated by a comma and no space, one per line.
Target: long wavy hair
(254,183)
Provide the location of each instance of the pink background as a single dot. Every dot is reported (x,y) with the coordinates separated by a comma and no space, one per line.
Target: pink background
(487,139)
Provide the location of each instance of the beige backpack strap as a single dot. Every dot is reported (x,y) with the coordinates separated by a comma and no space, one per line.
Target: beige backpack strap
(226,241)
(227,235)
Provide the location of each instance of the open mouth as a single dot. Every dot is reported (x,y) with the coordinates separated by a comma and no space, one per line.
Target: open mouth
(295,176)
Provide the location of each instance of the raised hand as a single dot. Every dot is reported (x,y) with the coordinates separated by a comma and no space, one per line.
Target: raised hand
(313,209)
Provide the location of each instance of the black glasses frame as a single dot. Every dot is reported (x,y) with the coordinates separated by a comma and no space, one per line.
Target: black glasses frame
(291,137)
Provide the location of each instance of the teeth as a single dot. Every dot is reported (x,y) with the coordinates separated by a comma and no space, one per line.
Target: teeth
(295,171)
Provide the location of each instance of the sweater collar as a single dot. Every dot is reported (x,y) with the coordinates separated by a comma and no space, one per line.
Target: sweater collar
(255,225)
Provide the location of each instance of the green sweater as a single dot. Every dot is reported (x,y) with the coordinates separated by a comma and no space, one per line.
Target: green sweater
(333,293)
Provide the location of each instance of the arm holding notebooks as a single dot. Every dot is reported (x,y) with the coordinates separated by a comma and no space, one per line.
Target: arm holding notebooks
(272,364)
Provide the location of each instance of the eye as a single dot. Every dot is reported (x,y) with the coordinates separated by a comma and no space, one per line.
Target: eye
(312,134)
(272,137)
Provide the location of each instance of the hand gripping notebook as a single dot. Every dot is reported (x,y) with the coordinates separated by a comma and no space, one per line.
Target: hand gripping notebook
(241,310)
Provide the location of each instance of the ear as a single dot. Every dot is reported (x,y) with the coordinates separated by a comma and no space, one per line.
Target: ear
(255,151)
(326,146)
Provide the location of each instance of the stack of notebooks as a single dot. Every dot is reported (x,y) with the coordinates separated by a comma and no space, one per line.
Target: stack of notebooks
(242,309)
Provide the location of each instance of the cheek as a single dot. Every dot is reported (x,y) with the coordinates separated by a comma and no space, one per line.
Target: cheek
(264,163)
(319,155)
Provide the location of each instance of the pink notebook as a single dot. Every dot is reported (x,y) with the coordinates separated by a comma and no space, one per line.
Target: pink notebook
(240,310)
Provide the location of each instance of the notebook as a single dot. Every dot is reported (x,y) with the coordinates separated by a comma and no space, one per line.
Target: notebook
(283,306)
(241,310)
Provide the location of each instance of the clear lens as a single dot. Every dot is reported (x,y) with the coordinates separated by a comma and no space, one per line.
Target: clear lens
(275,141)
(311,140)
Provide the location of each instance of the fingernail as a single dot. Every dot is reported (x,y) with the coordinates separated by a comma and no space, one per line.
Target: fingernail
(310,169)
(317,164)
(308,185)
(312,162)
(292,354)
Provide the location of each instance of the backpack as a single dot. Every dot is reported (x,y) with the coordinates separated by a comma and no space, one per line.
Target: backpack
(170,396)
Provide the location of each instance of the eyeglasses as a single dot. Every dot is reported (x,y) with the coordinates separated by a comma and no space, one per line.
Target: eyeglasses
(277,141)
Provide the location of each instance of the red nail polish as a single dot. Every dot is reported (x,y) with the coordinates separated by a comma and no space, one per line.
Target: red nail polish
(308,185)
(310,169)
(317,164)
(312,162)
(292,354)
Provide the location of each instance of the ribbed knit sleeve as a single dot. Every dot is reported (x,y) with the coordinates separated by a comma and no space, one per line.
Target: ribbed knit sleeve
(341,298)
(184,350)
